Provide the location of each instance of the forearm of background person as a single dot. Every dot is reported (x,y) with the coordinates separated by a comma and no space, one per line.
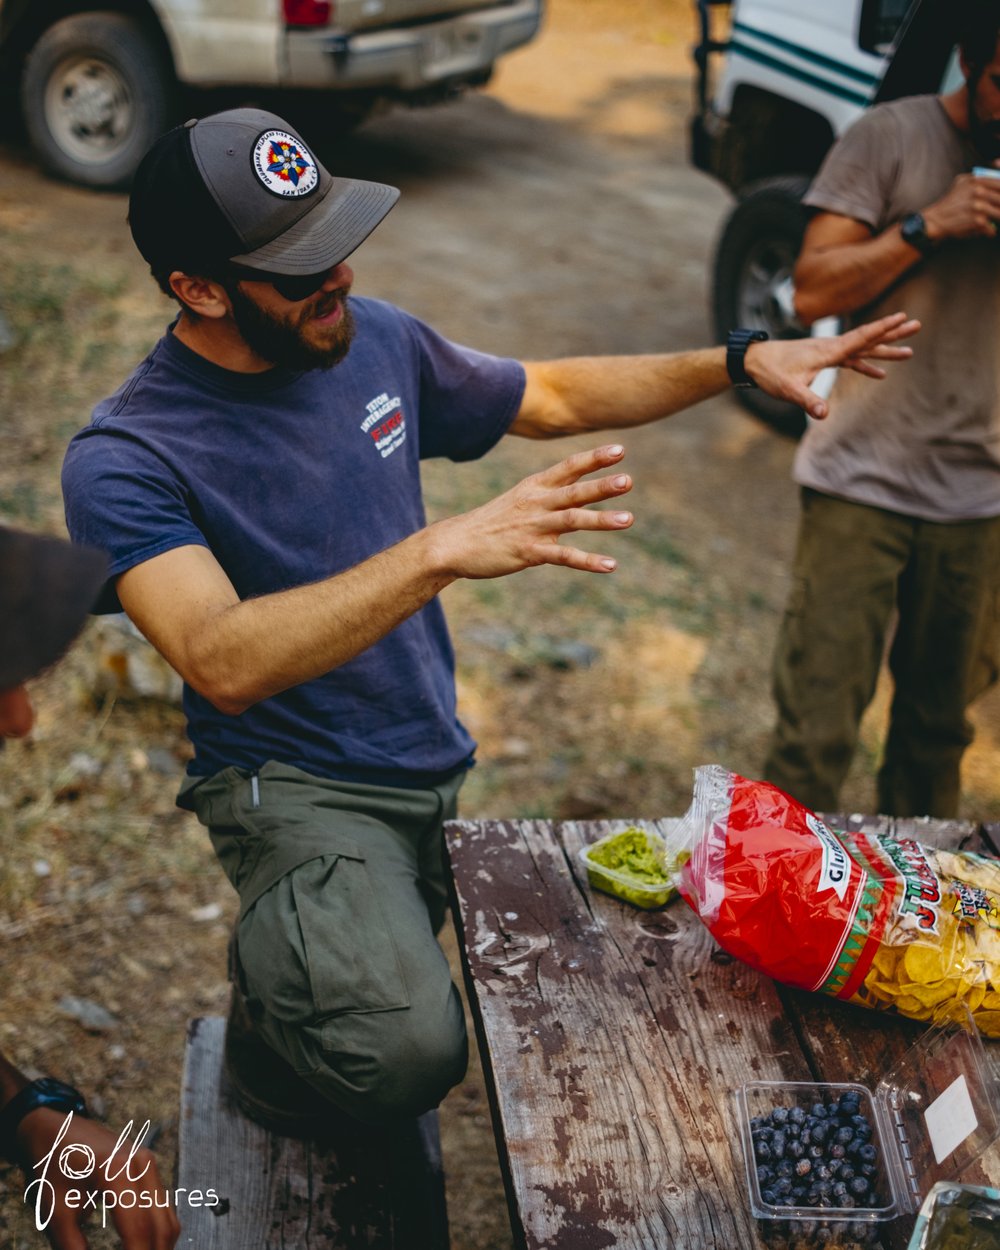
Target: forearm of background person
(582,394)
(237,652)
(842,267)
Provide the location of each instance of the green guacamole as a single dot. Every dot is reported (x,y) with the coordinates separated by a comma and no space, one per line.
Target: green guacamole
(631,853)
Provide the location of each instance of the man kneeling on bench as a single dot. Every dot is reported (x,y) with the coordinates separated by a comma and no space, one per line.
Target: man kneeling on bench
(256,482)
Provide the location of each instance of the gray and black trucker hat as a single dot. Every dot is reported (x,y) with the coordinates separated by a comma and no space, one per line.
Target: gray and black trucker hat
(242,186)
(47,587)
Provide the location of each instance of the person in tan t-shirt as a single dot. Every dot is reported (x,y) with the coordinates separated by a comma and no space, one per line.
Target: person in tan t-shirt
(901,493)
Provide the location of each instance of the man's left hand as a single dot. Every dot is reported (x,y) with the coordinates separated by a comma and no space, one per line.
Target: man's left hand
(786,368)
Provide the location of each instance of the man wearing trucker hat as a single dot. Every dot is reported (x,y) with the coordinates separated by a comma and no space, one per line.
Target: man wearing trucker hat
(47,586)
(256,482)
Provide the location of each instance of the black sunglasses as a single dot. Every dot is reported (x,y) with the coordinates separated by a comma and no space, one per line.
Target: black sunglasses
(293,287)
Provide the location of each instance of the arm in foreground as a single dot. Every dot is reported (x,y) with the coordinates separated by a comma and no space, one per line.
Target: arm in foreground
(589,393)
(236,652)
(156,1228)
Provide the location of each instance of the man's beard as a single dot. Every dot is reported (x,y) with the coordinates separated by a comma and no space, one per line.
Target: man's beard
(985,135)
(282,340)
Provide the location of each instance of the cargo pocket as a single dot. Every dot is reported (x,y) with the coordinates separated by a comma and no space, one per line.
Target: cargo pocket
(350,951)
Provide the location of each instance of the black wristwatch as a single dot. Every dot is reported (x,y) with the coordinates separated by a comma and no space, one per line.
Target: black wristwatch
(913,228)
(736,350)
(45,1092)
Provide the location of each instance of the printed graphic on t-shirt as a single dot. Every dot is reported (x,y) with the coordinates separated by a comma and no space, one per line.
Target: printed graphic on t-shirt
(385,423)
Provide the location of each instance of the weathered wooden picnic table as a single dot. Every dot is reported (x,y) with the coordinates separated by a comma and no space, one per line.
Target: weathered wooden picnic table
(613,1040)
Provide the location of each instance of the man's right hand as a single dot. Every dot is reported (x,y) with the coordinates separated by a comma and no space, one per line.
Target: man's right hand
(970,210)
(523,527)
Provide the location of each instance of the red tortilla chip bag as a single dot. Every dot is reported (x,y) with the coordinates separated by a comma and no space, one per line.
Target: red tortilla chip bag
(874,919)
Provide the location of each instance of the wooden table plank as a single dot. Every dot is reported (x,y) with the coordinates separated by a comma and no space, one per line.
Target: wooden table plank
(615,1038)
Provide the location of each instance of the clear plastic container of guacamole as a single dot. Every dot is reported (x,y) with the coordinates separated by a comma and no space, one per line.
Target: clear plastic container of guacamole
(632,864)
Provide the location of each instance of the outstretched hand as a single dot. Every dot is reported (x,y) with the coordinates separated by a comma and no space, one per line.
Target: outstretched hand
(786,368)
(524,526)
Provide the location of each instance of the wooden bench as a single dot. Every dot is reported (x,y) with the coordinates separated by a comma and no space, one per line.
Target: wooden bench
(380,1191)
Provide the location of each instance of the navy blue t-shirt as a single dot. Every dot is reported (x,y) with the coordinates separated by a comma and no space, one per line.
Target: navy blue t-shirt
(289,478)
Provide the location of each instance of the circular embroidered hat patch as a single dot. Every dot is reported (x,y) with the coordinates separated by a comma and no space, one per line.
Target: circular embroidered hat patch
(284,165)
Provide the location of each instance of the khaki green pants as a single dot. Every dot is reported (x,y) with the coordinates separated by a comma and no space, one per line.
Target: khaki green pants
(855,567)
(341,894)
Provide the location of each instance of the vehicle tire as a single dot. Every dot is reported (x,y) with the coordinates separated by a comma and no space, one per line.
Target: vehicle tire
(752,284)
(96,92)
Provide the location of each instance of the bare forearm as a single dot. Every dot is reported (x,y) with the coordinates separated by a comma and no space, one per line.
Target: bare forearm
(580,394)
(830,282)
(259,647)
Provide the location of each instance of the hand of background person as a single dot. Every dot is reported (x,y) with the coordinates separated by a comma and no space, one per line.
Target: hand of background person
(139,1229)
(969,210)
(786,368)
(523,527)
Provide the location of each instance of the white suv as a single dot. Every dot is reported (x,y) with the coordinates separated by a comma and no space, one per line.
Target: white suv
(98,84)
(778,81)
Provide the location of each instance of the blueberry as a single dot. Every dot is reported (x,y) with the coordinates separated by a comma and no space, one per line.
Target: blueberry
(778,1142)
(845,1172)
(839,1189)
(858,1187)
(819,1132)
(762,1150)
(770,1197)
(795,1149)
(764,1176)
(779,1115)
(785,1168)
(797,1115)
(782,1187)
(868,1169)
(837,1151)
(861,1126)
(844,1135)
(824,1172)
(819,1110)
(803,1167)
(816,1152)
(868,1153)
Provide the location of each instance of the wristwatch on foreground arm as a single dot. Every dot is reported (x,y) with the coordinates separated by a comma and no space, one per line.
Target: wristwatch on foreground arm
(45,1092)
(736,350)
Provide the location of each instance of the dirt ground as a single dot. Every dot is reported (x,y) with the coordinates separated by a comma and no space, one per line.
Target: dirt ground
(552,214)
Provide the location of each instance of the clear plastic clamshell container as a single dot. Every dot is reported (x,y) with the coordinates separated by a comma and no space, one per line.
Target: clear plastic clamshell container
(931,1117)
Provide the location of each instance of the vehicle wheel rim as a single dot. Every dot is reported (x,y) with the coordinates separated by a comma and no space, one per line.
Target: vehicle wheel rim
(89,109)
(765,294)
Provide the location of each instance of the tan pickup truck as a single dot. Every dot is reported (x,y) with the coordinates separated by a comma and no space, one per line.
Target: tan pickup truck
(96,85)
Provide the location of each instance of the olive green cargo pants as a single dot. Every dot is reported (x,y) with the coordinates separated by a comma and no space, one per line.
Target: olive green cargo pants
(342,891)
(854,567)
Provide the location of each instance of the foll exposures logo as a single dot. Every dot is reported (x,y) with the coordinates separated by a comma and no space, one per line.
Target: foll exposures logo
(836,871)
(385,423)
(76,1161)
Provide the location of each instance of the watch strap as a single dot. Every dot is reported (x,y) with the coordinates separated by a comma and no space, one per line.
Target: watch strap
(737,343)
(913,228)
(45,1092)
